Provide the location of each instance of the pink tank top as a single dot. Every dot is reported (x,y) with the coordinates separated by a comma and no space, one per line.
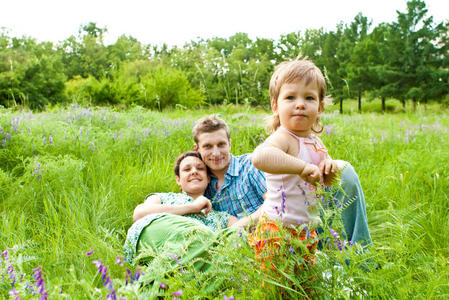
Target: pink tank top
(288,196)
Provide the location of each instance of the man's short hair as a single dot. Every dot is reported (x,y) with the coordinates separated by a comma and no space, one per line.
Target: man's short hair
(209,124)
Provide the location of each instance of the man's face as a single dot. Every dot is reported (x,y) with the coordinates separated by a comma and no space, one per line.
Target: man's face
(214,148)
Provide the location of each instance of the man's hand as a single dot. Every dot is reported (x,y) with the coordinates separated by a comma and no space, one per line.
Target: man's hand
(201,203)
(328,169)
(311,174)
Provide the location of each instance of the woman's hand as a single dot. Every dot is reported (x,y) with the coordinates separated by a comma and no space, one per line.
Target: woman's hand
(328,169)
(201,203)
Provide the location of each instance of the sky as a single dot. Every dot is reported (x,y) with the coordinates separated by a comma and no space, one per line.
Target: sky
(176,22)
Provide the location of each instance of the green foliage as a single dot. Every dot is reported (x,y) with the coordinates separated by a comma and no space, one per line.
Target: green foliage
(30,74)
(64,196)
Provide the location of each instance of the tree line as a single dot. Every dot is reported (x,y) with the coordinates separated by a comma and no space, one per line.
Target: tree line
(405,60)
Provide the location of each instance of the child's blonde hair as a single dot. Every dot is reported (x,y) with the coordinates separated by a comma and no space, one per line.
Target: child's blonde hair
(290,72)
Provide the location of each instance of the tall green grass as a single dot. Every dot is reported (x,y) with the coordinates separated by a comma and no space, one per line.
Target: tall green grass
(71,177)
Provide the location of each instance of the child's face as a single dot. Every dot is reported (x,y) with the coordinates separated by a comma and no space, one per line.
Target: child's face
(298,106)
(193,178)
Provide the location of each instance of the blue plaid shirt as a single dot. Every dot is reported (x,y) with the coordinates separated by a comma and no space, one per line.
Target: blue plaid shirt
(243,188)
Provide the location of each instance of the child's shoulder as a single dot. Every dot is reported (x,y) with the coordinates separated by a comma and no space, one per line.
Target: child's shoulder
(282,140)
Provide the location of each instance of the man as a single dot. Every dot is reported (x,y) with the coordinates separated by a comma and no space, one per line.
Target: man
(238,187)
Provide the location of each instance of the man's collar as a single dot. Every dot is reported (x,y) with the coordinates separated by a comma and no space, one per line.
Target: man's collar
(234,166)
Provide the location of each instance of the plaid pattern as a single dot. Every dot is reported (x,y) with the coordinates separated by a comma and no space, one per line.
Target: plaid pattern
(241,193)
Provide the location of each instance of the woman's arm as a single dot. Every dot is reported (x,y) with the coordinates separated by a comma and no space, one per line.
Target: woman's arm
(153,206)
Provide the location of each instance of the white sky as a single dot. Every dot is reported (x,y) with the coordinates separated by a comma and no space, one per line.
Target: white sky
(176,22)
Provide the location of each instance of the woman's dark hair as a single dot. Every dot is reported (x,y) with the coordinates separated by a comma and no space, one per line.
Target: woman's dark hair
(184,155)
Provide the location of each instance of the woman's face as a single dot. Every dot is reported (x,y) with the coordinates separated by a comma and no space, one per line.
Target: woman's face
(193,178)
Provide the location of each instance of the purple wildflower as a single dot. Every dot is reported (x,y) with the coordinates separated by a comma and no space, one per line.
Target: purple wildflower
(10,269)
(137,275)
(50,140)
(108,283)
(328,129)
(13,292)
(40,282)
(162,286)
(334,234)
(97,263)
(284,197)
(291,250)
(104,273)
(177,293)
(90,252)
(128,275)
(229,298)
(111,296)
(44,140)
(119,260)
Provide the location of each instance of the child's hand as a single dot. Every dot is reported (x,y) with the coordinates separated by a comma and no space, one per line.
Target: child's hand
(328,169)
(311,174)
(201,203)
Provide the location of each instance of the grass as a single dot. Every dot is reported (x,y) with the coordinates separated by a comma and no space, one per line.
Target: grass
(71,177)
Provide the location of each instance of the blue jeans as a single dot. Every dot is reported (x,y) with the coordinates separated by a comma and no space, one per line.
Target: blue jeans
(354,216)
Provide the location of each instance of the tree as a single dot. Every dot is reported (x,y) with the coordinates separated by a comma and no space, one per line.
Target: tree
(416,58)
(357,68)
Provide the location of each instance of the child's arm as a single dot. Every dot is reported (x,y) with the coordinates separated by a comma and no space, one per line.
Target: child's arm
(328,169)
(153,205)
(272,157)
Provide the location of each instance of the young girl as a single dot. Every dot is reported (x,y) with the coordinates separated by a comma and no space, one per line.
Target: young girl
(293,158)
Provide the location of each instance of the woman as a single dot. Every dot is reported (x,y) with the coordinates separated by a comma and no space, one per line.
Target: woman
(179,224)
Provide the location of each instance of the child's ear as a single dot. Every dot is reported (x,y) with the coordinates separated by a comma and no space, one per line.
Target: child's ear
(178,181)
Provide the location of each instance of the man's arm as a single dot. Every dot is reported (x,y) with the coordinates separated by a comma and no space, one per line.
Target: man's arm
(251,219)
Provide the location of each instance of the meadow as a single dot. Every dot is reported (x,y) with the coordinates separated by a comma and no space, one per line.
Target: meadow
(70,178)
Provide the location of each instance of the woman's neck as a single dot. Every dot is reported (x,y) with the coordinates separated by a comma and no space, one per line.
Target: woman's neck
(194,195)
